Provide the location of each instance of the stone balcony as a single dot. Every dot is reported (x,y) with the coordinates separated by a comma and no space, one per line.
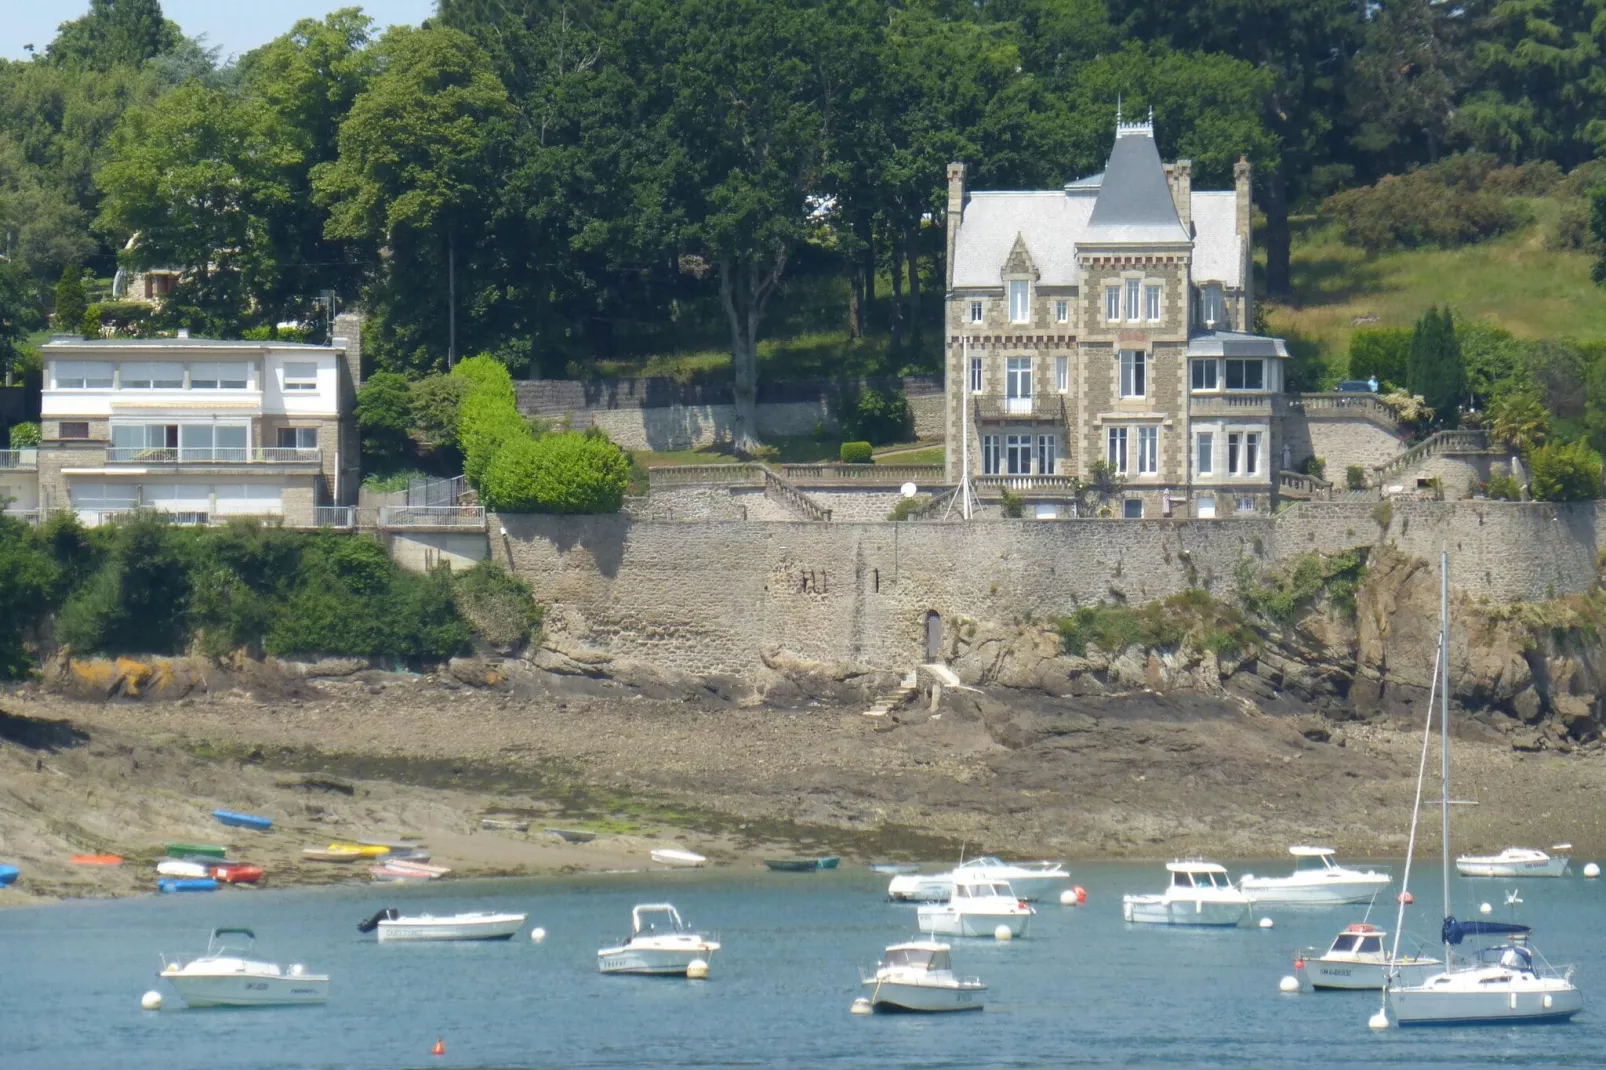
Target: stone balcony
(227,455)
(1232,405)
(1038,408)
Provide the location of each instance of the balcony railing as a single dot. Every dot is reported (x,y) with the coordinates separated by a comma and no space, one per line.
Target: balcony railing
(863,473)
(211,455)
(1231,404)
(468,517)
(23,458)
(1300,485)
(27,516)
(340,517)
(1055,485)
(1039,408)
(1363,406)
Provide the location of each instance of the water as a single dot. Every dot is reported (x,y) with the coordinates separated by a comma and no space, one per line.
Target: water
(1083,989)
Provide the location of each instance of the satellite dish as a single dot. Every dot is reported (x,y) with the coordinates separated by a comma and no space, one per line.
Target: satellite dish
(909,490)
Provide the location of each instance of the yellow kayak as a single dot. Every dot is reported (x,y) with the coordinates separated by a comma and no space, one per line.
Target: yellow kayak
(334,854)
(362,850)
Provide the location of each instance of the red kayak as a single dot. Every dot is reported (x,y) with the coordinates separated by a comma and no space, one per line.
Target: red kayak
(236,873)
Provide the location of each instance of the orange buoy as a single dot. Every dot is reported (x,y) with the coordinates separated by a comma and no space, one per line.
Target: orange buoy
(439,1048)
(1081,895)
(1299,964)
(1406,897)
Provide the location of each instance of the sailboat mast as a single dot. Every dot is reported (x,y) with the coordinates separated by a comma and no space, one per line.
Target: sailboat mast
(1444,721)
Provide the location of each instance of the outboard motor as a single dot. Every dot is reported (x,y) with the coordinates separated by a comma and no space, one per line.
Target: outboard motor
(388,914)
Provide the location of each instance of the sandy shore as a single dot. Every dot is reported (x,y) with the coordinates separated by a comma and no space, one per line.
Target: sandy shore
(1140,776)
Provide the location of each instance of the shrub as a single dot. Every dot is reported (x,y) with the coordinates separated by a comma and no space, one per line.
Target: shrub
(1315,466)
(384,417)
(71,302)
(1564,472)
(561,473)
(436,401)
(907,507)
(137,600)
(1012,505)
(1355,477)
(1380,353)
(115,318)
(856,453)
(1519,419)
(1190,618)
(488,417)
(499,606)
(389,482)
(28,579)
(24,435)
(1277,596)
(1418,209)
(1503,486)
(879,417)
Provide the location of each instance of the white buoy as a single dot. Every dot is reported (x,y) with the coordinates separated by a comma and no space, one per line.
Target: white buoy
(1267,923)
(1378,1021)
(1288,984)
(537,934)
(1485,908)
(1067,898)
(861,1006)
(1003,933)
(697,970)
(1591,870)
(151,1001)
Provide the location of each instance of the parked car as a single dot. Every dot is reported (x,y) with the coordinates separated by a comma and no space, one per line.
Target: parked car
(1356,386)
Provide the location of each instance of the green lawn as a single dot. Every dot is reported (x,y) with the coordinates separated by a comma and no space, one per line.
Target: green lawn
(817,355)
(1514,282)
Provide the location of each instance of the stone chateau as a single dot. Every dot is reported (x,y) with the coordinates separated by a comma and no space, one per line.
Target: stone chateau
(1103,328)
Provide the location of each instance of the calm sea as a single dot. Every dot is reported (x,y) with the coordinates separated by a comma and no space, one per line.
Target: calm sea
(1083,989)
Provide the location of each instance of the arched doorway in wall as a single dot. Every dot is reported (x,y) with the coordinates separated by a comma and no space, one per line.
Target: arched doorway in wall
(933,635)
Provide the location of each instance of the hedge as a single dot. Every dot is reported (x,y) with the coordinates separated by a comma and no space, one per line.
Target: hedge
(488,417)
(558,473)
(857,453)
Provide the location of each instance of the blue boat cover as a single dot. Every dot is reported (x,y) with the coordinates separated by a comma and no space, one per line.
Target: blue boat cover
(188,884)
(1456,931)
(250,821)
(8,874)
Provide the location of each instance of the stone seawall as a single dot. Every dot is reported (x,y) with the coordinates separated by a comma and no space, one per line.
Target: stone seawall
(712,596)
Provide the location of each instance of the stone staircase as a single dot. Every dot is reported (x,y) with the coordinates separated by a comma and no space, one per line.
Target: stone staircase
(896,697)
(1432,446)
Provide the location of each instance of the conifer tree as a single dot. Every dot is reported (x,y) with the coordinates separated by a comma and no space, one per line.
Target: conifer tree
(70,298)
(1434,368)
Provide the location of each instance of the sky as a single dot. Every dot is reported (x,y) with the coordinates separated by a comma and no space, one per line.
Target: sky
(236,25)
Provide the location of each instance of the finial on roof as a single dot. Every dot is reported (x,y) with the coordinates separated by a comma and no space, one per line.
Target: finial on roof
(1118,111)
(1122,127)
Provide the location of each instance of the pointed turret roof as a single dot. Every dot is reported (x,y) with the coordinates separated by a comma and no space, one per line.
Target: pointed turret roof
(1134,202)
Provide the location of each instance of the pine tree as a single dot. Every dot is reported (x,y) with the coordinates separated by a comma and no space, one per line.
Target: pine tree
(71,300)
(1434,368)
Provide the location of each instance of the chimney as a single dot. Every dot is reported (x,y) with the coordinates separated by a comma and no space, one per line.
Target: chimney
(347,334)
(1241,173)
(183,332)
(956,211)
(1179,176)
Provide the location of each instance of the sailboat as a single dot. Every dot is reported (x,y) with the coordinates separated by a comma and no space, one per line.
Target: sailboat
(1507,983)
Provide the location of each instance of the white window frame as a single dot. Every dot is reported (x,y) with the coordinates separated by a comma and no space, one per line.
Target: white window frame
(1017,384)
(1047,455)
(230,375)
(301,438)
(1204,507)
(1112,303)
(84,375)
(1134,294)
(1151,302)
(1062,311)
(151,375)
(1206,364)
(976,314)
(1204,453)
(299,383)
(1062,375)
(1020,301)
(1115,449)
(1148,451)
(1018,455)
(1242,364)
(1134,374)
(991,455)
(1132,509)
(1251,453)
(1244,504)
(975,375)
(1213,307)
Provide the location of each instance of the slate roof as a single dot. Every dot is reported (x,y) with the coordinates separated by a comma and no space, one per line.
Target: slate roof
(1134,202)
(1217,249)
(1048,221)
(1235,344)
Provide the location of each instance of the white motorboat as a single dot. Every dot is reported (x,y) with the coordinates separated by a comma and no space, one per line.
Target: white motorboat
(1200,894)
(1357,960)
(649,950)
(226,976)
(182,867)
(392,925)
(1316,881)
(1030,880)
(917,976)
(1516,862)
(674,856)
(976,908)
(1505,984)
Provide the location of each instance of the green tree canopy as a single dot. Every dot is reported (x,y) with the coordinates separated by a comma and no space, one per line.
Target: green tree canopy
(114,33)
(1434,368)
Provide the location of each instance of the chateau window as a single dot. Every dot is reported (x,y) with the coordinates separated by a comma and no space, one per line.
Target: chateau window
(1062,374)
(1246,374)
(1112,303)
(975,312)
(1115,449)
(1204,374)
(1251,453)
(1062,312)
(1132,377)
(1020,305)
(1204,507)
(1132,509)
(1047,454)
(1214,307)
(82,375)
(990,455)
(1132,286)
(1151,303)
(975,375)
(1018,454)
(1234,448)
(1148,451)
(1246,504)
(1018,384)
(1204,453)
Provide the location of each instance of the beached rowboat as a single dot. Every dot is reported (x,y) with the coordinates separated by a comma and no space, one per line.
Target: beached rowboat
(234,819)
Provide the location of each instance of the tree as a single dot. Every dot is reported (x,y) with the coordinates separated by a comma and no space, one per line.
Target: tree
(1408,77)
(28,578)
(1519,419)
(1564,472)
(71,301)
(1434,368)
(384,417)
(562,473)
(1382,353)
(1597,231)
(114,33)
(417,174)
(15,316)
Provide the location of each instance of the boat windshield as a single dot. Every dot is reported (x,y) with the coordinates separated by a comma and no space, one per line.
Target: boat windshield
(1371,945)
(1345,942)
(1179,879)
(916,958)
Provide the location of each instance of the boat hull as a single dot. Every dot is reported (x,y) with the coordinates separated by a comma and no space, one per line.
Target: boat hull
(1550,867)
(1340,975)
(1273,891)
(243,821)
(1552,1001)
(1156,910)
(941,921)
(244,990)
(895,997)
(681,859)
(661,962)
(495,927)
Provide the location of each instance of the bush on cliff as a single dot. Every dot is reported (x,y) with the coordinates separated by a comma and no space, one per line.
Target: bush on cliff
(499,606)
(1278,595)
(1564,472)
(560,473)
(488,417)
(1190,619)
(384,417)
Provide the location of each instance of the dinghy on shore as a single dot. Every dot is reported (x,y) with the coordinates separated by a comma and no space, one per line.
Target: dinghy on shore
(235,819)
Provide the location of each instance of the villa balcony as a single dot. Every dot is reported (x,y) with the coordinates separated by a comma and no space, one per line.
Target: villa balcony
(1231,405)
(432,517)
(1037,408)
(213,455)
(23,458)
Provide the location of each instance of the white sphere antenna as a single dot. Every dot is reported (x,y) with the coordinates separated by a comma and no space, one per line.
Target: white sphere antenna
(909,490)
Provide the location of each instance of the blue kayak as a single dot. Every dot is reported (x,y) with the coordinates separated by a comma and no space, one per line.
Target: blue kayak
(8,875)
(188,884)
(244,821)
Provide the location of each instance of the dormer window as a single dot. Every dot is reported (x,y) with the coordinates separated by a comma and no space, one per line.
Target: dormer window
(1062,312)
(1020,301)
(975,312)
(1213,307)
